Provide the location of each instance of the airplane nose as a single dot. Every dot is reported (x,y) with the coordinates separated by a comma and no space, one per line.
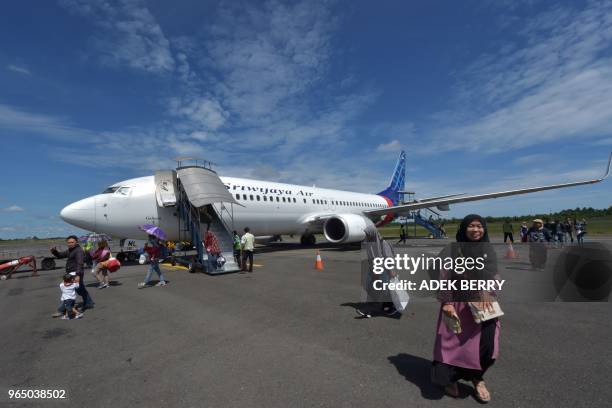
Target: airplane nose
(81,213)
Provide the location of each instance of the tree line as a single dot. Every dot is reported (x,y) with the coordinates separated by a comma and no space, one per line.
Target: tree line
(577,213)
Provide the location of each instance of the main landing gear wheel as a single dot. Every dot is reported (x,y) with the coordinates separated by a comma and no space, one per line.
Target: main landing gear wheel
(308,240)
(48,264)
(121,257)
(193,266)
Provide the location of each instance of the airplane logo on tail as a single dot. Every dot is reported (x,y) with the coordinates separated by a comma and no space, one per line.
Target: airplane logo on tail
(398,181)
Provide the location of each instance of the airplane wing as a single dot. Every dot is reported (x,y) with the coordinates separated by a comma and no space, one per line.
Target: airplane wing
(316,219)
(404,208)
(422,200)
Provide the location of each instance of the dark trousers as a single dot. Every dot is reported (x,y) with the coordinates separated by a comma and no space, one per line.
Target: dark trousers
(82,292)
(487,343)
(68,305)
(508,235)
(237,257)
(445,374)
(537,254)
(247,255)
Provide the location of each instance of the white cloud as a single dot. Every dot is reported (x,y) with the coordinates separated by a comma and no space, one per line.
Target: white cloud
(394,130)
(17,119)
(268,57)
(531,158)
(200,136)
(206,112)
(603,142)
(12,208)
(186,148)
(18,69)
(265,172)
(552,83)
(392,146)
(255,75)
(136,150)
(260,81)
(476,181)
(130,34)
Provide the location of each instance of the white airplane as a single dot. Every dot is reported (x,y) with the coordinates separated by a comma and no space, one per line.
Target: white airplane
(268,208)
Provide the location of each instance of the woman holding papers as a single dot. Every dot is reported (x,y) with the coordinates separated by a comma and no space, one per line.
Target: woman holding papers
(467,335)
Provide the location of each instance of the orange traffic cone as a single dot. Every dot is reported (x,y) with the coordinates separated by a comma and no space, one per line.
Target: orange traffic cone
(511,253)
(319,262)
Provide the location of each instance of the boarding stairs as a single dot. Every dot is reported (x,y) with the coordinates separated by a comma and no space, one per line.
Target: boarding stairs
(189,221)
(427,219)
(202,202)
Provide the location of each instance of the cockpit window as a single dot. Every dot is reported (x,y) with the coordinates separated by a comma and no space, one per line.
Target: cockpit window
(110,190)
(123,191)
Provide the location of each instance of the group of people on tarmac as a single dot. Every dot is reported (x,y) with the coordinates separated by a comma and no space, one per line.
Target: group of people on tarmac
(73,282)
(243,249)
(557,232)
(542,235)
(465,346)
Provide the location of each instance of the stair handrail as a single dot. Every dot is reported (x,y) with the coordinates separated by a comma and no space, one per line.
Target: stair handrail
(425,222)
(220,216)
(186,211)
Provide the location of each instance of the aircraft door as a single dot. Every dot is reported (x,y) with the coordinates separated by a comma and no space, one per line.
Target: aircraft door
(102,212)
(327,204)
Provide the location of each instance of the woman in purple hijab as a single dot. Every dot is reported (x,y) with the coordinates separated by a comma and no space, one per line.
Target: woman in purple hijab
(470,353)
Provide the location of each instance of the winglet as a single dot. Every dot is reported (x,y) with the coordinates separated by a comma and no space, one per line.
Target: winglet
(608,169)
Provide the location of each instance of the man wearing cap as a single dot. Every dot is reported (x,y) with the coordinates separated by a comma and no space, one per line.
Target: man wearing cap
(74,266)
(538,237)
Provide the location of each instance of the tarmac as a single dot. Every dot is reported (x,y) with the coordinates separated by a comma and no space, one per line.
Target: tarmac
(286,335)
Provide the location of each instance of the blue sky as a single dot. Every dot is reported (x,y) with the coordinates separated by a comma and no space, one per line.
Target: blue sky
(483,96)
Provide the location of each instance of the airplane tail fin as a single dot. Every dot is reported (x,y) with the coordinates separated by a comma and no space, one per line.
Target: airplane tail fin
(398,180)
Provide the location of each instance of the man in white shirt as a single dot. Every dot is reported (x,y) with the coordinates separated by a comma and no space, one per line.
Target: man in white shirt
(248,244)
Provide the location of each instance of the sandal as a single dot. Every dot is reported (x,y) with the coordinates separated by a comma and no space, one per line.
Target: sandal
(452,390)
(481,393)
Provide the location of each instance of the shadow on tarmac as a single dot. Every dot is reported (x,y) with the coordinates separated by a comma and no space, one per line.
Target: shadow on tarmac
(417,370)
(110,283)
(373,309)
(292,246)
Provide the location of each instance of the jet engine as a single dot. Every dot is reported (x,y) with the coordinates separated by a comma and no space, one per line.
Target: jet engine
(344,228)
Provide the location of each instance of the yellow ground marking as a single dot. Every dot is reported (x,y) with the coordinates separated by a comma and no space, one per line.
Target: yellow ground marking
(185,268)
(174,267)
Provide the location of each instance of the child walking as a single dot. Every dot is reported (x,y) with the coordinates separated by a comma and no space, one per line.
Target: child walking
(68,288)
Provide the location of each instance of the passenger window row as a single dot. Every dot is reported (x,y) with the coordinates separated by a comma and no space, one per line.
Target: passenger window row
(252,197)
